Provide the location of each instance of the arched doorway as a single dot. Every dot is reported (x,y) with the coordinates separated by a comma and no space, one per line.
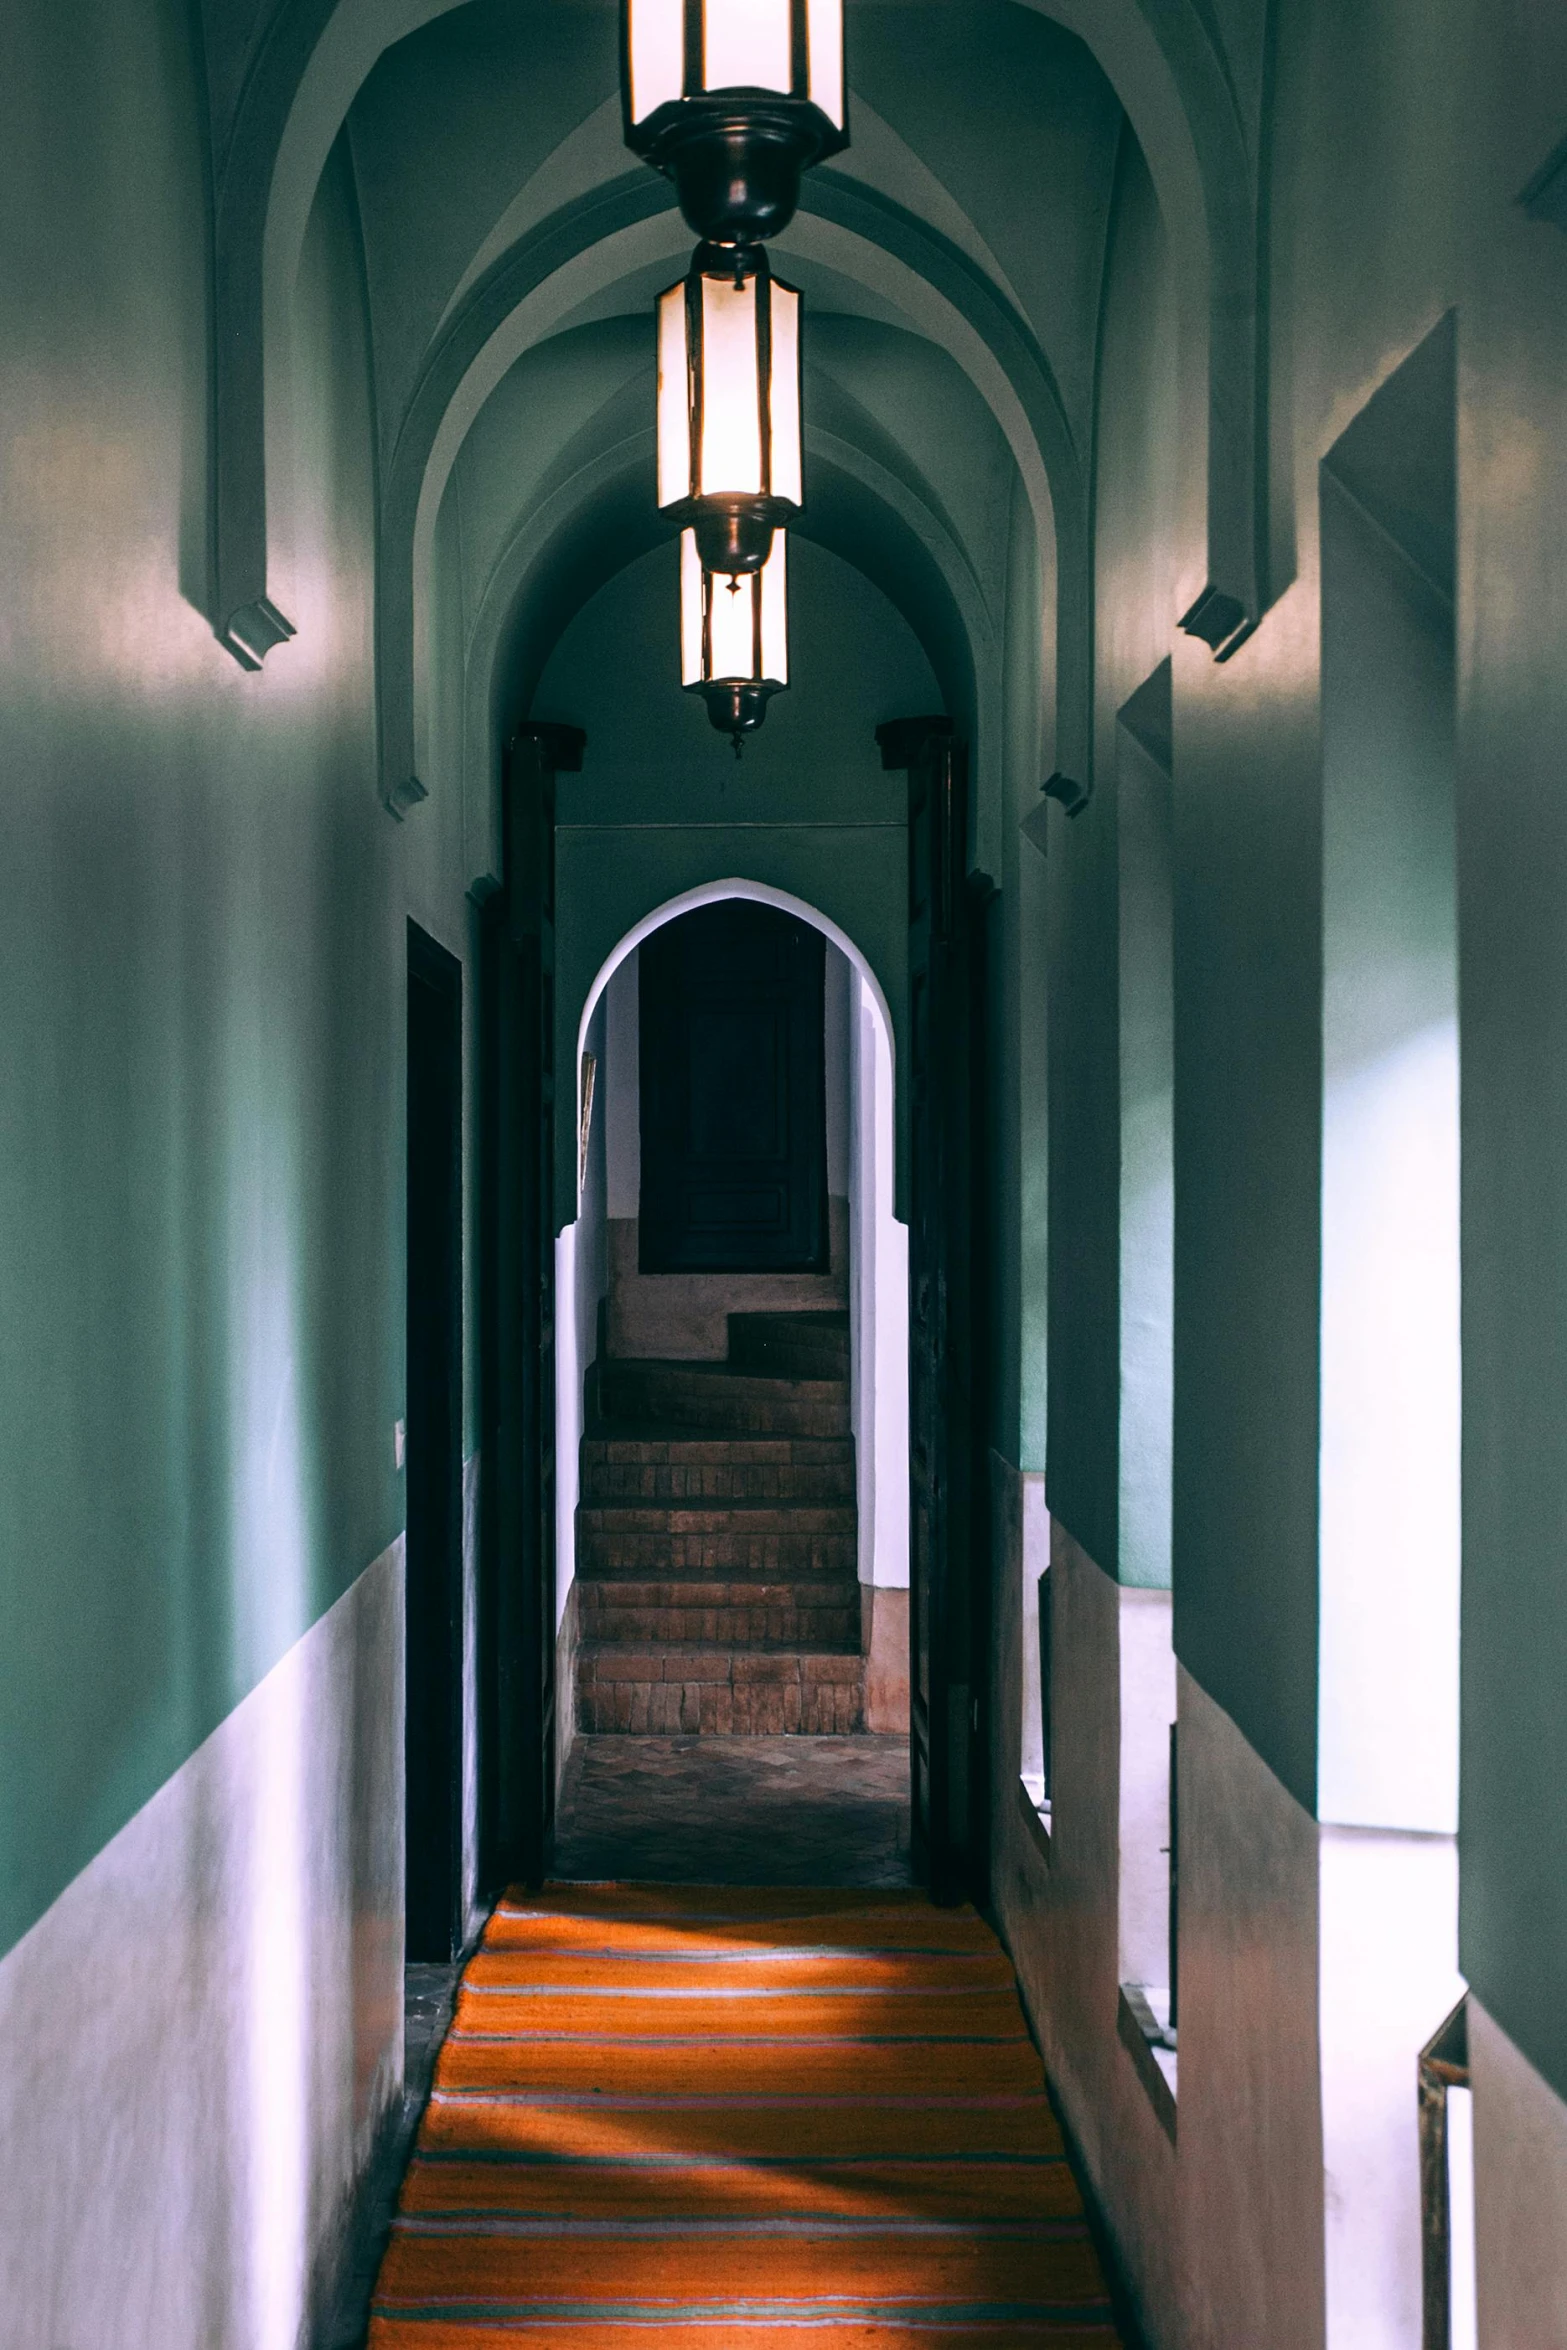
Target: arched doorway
(617,1322)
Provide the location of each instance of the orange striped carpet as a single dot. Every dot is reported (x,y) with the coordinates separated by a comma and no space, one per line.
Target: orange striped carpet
(679,2118)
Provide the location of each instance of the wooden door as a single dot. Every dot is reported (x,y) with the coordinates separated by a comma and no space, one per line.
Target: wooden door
(734,1120)
(517,1289)
(433,1705)
(946,1567)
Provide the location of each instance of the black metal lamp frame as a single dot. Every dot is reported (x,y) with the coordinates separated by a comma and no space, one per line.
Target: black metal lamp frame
(734,533)
(735,706)
(736,157)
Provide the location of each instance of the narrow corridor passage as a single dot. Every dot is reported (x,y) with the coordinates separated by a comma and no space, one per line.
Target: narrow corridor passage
(738,1811)
(693,2115)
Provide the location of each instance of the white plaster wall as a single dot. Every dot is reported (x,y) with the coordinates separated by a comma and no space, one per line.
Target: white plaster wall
(205,2030)
(581,1284)
(1147,1710)
(1520,2143)
(879,1296)
(1026,1494)
(1388,1908)
(1314,1964)
(1251,2163)
(839,989)
(1060,1917)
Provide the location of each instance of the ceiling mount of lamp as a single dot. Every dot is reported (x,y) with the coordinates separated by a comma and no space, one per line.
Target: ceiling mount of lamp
(733,100)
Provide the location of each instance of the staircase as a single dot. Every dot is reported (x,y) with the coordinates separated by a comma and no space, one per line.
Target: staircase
(717,1540)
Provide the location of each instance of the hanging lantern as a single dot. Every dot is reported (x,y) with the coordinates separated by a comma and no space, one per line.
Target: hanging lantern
(730,459)
(733,100)
(734,636)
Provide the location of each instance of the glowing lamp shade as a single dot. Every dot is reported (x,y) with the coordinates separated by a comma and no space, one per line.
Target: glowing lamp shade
(730,459)
(734,636)
(733,99)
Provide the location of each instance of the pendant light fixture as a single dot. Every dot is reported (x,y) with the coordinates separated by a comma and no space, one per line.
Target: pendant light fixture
(734,636)
(730,455)
(732,100)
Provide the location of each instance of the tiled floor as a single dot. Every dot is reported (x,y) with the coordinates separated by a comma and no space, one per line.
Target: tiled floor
(737,1811)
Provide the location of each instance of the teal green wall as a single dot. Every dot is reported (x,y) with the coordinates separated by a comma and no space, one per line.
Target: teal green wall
(1018,1077)
(1090,1438)
(201,957)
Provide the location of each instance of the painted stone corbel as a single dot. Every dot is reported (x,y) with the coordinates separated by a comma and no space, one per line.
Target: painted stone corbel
(251,632)
(1219,620)
(1545,197)
(398,798)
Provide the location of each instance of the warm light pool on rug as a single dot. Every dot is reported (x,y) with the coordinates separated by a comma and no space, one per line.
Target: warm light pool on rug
(685,2117)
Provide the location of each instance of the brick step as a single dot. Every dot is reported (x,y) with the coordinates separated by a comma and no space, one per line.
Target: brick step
(717,1691)
(674,1549)
(717,1517)
(625,1446)
(610,1482)
(794,1346)
(617,1466)
(819,1614)
(717,1401)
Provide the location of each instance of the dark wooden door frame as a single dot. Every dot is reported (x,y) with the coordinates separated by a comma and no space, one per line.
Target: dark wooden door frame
(433,1688)
(517,1319)
(949,1566)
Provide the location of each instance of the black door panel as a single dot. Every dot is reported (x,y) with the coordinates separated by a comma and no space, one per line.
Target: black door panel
(734,1148)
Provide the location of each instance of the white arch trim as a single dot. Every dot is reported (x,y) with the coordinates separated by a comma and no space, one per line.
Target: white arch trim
(712,893)
(879,1308)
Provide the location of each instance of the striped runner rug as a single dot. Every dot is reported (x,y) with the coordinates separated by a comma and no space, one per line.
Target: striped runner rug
(678,2118)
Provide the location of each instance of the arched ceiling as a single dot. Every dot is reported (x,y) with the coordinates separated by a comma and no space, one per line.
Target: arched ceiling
(499,208)
(952,262)
(982,119)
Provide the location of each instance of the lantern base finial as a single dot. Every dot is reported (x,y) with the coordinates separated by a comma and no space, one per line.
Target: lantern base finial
(737,163)
(737,710)
(735,536)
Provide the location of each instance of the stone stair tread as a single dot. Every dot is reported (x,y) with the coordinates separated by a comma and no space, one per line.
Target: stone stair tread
(748,1579)
(703,1516)
(745,1448)
(722,1382)
(796,1317)
(676,1660)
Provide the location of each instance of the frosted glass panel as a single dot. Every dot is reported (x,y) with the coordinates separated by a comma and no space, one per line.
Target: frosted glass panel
(657,48)
(824,31)
(731,424)
(674,399)
(747,45)
(733,628)
(787,482)
(775,612)
(691,602)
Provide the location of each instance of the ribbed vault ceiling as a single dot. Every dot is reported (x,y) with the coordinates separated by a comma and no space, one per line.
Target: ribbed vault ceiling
(985,142)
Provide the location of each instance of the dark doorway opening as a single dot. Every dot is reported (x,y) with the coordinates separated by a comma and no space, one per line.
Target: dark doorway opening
(949,1276)
(518,1732)
(734,1117)
(434,1711)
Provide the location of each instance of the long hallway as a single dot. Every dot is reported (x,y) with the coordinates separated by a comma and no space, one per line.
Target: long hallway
(690,2116)
(971,1302)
